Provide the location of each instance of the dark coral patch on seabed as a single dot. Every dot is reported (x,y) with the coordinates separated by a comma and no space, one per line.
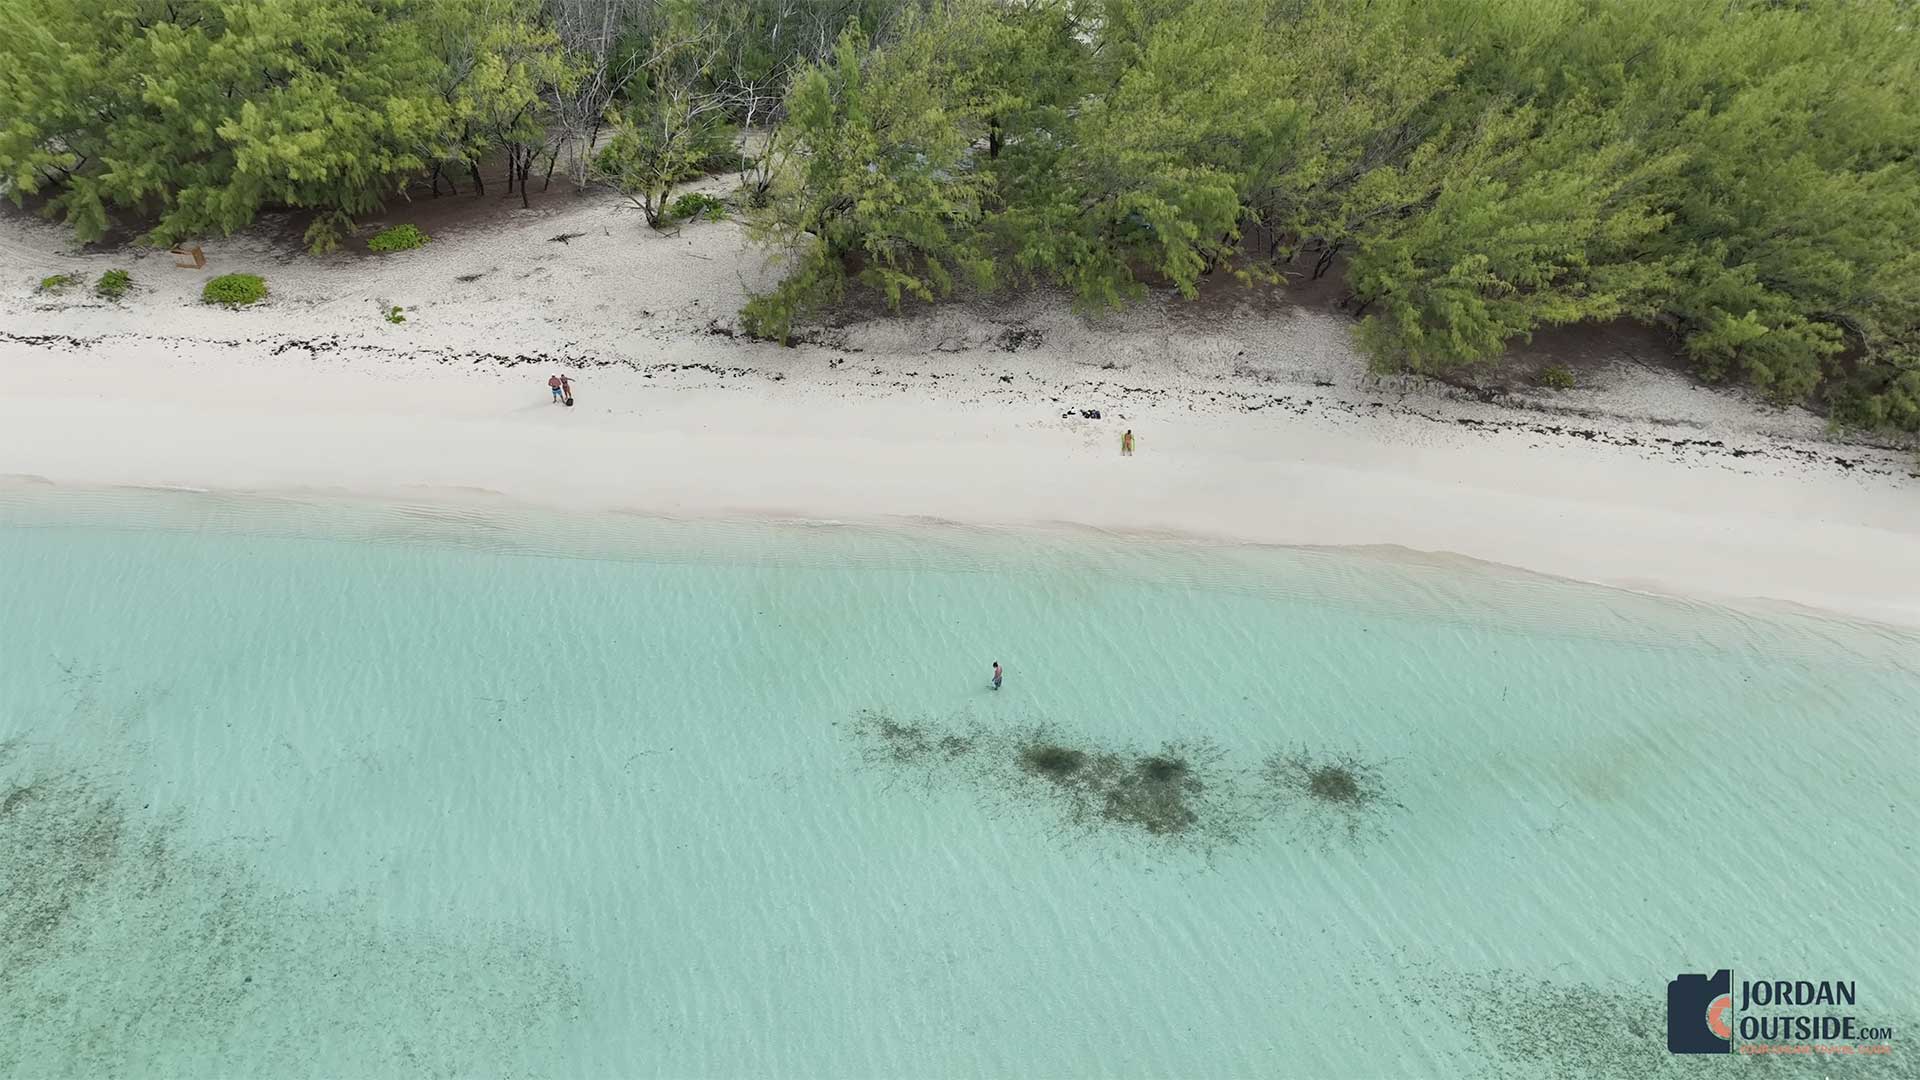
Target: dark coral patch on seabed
(1184,795)
(126,950)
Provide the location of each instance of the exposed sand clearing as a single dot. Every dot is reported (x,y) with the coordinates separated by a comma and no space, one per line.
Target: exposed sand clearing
(1255,425)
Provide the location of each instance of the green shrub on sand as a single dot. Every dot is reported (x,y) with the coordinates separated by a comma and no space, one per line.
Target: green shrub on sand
(698,204)
(398,238)
(234,290)
(113,284)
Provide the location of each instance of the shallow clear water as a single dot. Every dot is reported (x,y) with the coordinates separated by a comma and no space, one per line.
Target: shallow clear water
(309,788)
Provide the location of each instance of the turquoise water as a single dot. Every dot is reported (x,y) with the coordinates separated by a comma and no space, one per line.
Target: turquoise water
(311,788)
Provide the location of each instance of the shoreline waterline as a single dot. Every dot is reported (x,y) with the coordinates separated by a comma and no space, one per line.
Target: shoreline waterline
(493,521)
(777,434)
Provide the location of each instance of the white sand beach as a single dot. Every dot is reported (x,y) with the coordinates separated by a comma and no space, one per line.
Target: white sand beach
(1254,423)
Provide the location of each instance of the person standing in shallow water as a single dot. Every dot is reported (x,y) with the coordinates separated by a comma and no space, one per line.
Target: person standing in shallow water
(996,674)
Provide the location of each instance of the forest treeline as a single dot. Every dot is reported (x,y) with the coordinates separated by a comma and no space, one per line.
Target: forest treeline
(194,115)
(1741,171)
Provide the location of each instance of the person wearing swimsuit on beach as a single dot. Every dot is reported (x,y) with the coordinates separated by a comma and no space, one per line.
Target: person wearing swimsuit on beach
(566,390)
(1126,444)
(554,384)
(996,674)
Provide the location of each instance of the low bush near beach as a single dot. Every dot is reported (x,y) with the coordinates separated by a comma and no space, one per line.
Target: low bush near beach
(697,204)
(395,315)
(113,284)
(234,290)
(398,238)
(1557,377)
(58,282)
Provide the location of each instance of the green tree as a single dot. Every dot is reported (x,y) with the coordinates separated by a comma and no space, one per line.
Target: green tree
(202,113)
(672,121)
(1743,170)
(1153,170)
(500,72)
(884,190)
(1368,85)
(659,143)
(595,34)
(1798,216)
(1794,212)
(1523,222)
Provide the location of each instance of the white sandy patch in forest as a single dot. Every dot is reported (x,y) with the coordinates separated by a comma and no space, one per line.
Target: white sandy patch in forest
(1252,425)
